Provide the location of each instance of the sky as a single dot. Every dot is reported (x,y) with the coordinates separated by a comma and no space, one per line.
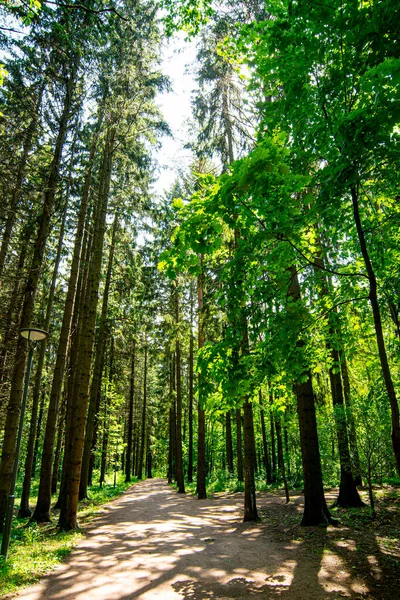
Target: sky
(178,55)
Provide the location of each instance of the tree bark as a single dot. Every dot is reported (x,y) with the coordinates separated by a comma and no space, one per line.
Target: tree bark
(373,298)
(239,445)
(144,415)
(179,459)
(348,493)
(272,432)
(201,431)
(250,508)
(14,406)
(57,455)
(77,404)
(191,380)
(315,509)
(281,460)
(350,420)
(228,442)
(97,371)
(17,190)
(24,510)
(267,458)
(129,448)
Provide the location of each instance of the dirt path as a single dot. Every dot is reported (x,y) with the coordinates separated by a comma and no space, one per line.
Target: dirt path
(153,543)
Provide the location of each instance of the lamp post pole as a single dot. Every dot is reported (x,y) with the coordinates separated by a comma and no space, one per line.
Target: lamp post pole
(32,335)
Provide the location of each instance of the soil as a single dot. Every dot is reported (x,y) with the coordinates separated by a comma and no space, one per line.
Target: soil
(153,543)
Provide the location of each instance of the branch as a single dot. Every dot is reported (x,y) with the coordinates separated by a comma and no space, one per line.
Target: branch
(89,10)
(334,307)
(309,261)
(321,267)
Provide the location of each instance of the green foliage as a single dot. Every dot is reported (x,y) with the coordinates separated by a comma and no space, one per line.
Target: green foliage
(185,15)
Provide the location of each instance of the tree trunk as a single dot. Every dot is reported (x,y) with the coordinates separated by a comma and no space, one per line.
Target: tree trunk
(356,469)
(315,509)
(250,508)
(38,433)
(281,458)
(191,379)
(129,448)
(239,449)
(104,445)
(179,458)
(14,406)
(42,510)
(171,458)
(144,407)
(348,493)
(57,455)
(201,431)
(272,433)
(17,189)
(73,346)
(267,459)
(77,404)
(12,316)
(24,510)
(97,371)
(373,297)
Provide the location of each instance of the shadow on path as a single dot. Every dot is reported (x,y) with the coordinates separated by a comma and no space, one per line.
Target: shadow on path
(154,543)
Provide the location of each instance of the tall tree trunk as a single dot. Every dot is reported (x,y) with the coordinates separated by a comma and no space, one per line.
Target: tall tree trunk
(14,406)
(348,493)
(144,415)
(42,510)
(104,445)
(228,442)
(287,454)
(373,298)
(97,371)
(281,461)
(129,448)
(250,507)
(171,457)
(272,433)
(239,445)
(57,455)
(149,458)
(179,458)
(12,316)
(17,189)
(267,459)
(77,404)
(315,509)
(38,432)
(350,420)
(73,346)
(191,381)
(201,420)
(24,510)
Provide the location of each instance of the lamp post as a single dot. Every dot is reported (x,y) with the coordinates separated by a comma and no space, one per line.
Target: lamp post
(33,336)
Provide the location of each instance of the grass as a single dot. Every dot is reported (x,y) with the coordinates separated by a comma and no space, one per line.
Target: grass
(37,549)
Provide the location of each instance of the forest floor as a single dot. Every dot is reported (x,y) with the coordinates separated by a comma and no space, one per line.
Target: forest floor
(155,543)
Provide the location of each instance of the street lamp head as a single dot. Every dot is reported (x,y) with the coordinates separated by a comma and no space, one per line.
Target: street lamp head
(34,335)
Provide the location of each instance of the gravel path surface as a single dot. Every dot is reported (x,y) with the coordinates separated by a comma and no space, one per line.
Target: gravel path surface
(153,543)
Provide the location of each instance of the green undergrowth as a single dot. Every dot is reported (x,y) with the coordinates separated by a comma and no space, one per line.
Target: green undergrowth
(37,549)
(221,481)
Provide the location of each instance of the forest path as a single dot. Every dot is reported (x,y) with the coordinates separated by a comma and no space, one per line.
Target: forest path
(155,543)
